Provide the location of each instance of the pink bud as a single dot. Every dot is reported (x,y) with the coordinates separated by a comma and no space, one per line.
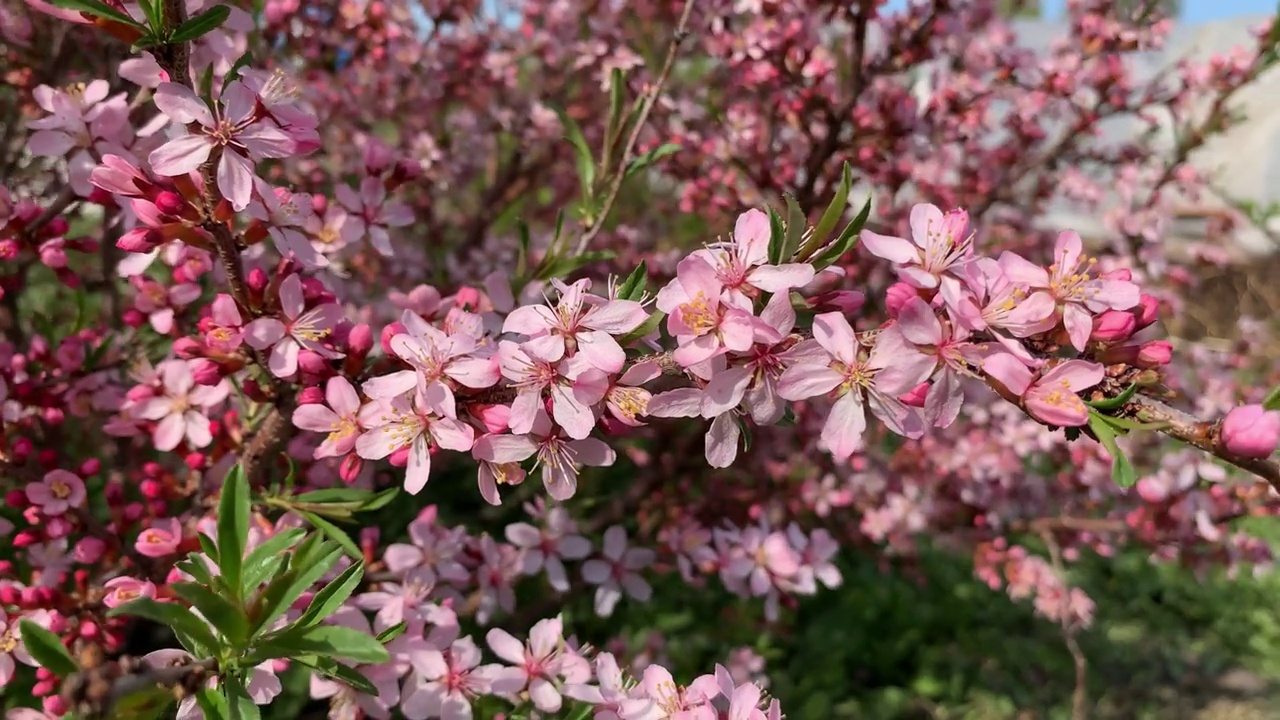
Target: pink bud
(312,362)
(25,538)
(467,297)
(349,469)
(16,499)
(170,203)
(194,460)
(89,467)
(494,417)
(9,249)
(133,318)
(311,396)
(140,240)
(206,371)
(57,226)
(400,457)
(257,280)
(917,395)
(89,550)
(1251,431)
(360,340)
(389,332)
(845,301)
(896,296)
(1147,312)
(188,348)
(56,705)
(1155,353)
(1113,326)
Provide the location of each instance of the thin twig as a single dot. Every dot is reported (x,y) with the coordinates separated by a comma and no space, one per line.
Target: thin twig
(650,99)
(1080,696)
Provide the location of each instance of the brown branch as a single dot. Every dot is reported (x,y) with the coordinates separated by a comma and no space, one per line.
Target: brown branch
(650,99)
(94,691)
(1080,696)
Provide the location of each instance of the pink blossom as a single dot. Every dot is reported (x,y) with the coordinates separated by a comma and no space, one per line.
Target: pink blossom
(181,408)
(11,648)
(285,214)
(159,540)
(702,326)
(558,456)
(1249,431)
(612,697)
(449,681)
(434,553)
(402,423)
(438,360)
(578,324)
(339,418)
(57,492)
(226,330)
(939,246)
(536,663)
(851,373)
(491,472)
(1053,397)
(545,549)
(121,590)
(395,603)
(742,265)
(616,573)
(625,400)
(573,386)
(233,127)
(371,214)
(298,331)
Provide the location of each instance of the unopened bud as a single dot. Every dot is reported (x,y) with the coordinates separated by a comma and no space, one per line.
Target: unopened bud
(205,371)
(917,395)
(1251,431)
(170,203)
(311,396)
(188,348)
(312,362)
(1155,354)
(389,332)
(1147,312)
(897,296)
(1113,326)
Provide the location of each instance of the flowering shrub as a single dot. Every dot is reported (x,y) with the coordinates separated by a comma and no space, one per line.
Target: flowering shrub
(208,380)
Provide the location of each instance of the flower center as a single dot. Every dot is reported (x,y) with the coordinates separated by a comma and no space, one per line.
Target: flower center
(698,315)
(8,642)
(60,489)
(631,402)
(345,428)
(1073,284)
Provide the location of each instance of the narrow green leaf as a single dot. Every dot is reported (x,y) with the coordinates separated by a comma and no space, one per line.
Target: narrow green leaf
(644,329)
(796,223)
(228,619)
(176,616)
(337,671)
(829,218)
(641,162)
(331,596)
(329,641)
(634,286)
(305,567)
(154,13)
(145,704)
(393,632)
(234,73)
(336,495)
(208,547)
(586,163)
(98,9)
(1272,401)
(214,704)
(266,557)
(565,266)
(1126,424)
(777,237)
(381,500)
(1117,401)
(46,649)
(522,256)
(242,706)
(201,24)
(1122,472)
(234,508)
(334,533)
(846,241)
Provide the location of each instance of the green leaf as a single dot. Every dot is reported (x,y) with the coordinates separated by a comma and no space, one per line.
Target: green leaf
(98,9)
(381,500)
(208,547)
(393,632)
(565,266)
(644,329)
(154,13)
(334,533)
(522,255)
(1272,401)
(229,620)
(242,706)
(313,558)
(829,218)
(337,671)
(214,704)
(179,618)
(796,222)
(266,557)
(147,40)
(1125,424)
(641,162)
(1122,472)
(197,570)
(201,24)
(1115,402)
(325,641)
(331,596)
(233,527)
(240,63)
(777,237)
(145,704)
(847,239)
(47,649)
(634,286)
(586,163)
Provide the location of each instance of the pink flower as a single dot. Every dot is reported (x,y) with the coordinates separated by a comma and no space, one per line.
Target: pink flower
(988,300)
(395,603)
(612,698)
(702,326)
(537,663)
(339,418)
(574,389)
(938,246)
(1053,396)
(371,214)
(491,472)
(852,375)
(438,360)
(942,345)
(449,681)
(742,268)
(299,331)
(57,492)
(121,590)
(1250,431)
(285,213)
(234,127)
(546,549)
(160,303)
(1069,282)
(181,408)
(11,648)
(559,457)
(673,700)
(225,331)
(579,324)
(434,553)
(625,400)
(617,572)
(401,423)
(159,540)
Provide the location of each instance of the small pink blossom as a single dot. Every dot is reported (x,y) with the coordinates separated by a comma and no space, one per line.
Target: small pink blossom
(339,418)
(938,250)
(742,265)
(703,327)
(616,573)
(181,408)
(121,590)
(574,388)
(160,540)
(300,330)
(558,456)
(536,663)
(401,423)
(578,325)
(57,492)
(1054,396)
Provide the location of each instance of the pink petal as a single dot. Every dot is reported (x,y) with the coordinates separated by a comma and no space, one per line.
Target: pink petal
(385,387)
(452,434)
(842,432)
(894,249)
(592,452)
(775,279)
(616,317)
(1076,374)
(169,432)
(316,418)
(418,470)
(235,179)
(835,335)
(1021,271)
(284,358)
(919,324)
(180,155)
(722,441)
(725,391)
(182,105)
(681,402)
(1008,371)
(800,382)
(504,448)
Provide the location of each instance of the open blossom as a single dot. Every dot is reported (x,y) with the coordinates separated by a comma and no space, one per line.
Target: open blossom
(159,540)
(224,330)
(447,682)
(371,214)
(703,327)
(298,330)
(558,457)
(57,492)
(579,324)
(852,375)
(338,417)
(84,120)
(438,360)
(1052,397)
(404,424)
(286,215)
(614,697)
(11,648)
(939,247)
(617,572)
(233,128)
(181,406)
(574,388)
(1071,284)
(742,268)
(546,549)
(537,664)
(121,590)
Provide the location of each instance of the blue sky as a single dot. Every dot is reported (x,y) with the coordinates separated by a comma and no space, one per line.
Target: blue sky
(1192,10)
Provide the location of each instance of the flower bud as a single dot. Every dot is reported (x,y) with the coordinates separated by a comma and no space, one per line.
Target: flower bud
(400,457)
(140,240)
(917,395)
(311,396)
(1155,354)
(89,467)
(257,280)
(896,296)
(1251,431)
(55,705)
(1113,326)
(494,417)
(89,550)
(844,301)
(1147,312)
(389,332)
(170,203)
(206,372)
(360,340)
(16,499)
(254,391)
(195,460)
(188,348)
(133,318)
(349,469)
(310,361)
(57,226)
